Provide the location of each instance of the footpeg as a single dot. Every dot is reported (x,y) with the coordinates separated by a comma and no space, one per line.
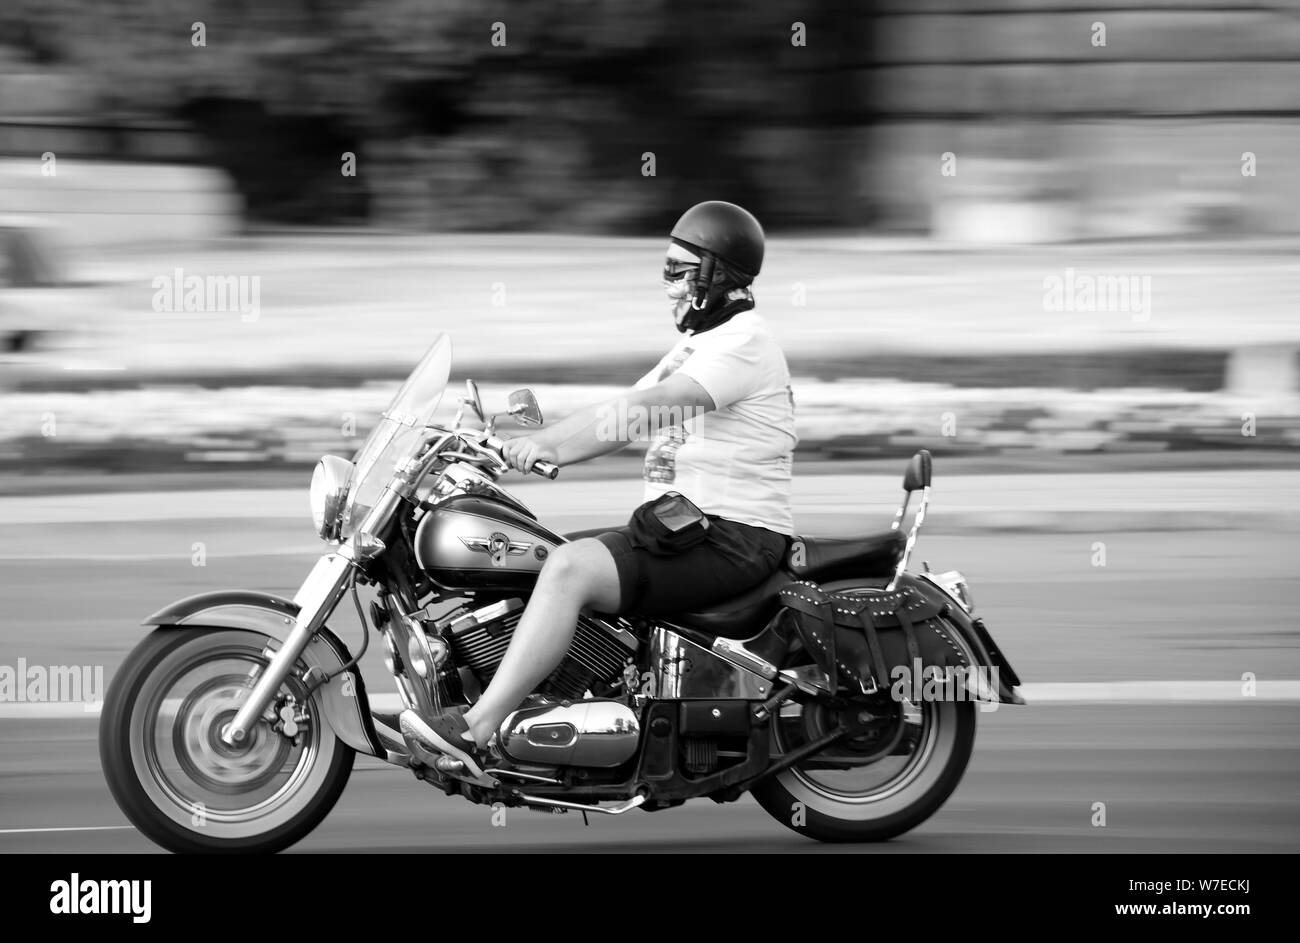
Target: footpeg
(449,764)
(426,754)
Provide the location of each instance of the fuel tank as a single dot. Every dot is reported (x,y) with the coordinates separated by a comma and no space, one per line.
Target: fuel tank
(473,542)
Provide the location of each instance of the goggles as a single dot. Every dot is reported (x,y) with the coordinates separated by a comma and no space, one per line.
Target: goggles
(676,269)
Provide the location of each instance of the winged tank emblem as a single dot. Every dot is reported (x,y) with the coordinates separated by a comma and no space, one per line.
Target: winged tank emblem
(498,546)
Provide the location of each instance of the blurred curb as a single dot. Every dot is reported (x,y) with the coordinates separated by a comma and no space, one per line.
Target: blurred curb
(1084,521)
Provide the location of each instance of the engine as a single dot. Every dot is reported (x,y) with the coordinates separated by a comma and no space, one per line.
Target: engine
(478,639)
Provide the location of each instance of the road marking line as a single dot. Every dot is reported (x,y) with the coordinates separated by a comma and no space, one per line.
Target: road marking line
(60,710)
(70,828)
(1141,692)
(303,551)
(1043,692)
(1098,692)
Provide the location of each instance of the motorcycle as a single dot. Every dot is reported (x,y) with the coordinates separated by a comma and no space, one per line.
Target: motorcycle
(233,725)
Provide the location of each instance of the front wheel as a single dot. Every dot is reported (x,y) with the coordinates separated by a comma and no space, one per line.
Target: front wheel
(168,769)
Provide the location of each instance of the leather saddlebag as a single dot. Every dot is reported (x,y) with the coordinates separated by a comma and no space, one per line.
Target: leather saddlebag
(860,640)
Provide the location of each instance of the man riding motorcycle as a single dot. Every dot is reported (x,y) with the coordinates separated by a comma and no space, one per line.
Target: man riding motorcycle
(730,456)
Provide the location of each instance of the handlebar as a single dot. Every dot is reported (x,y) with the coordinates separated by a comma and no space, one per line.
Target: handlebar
(545,469)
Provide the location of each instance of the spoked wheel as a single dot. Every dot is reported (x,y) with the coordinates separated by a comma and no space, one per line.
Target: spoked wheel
(896,764)
(160,744)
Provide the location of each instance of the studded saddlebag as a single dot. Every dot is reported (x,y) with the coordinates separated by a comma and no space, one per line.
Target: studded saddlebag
(858,640)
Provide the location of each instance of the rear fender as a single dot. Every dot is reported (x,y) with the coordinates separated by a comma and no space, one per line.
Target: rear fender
(343,698)
(977,636)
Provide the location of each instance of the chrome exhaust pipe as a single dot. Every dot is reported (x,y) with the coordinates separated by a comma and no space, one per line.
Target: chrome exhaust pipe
(634,803)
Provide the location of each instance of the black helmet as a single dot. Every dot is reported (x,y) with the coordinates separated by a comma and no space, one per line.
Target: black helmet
(726,231)
(726,237)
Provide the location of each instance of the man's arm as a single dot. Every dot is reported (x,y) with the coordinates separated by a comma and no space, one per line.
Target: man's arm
(610,425)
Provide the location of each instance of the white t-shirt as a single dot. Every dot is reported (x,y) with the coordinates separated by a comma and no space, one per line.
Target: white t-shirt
(734,461)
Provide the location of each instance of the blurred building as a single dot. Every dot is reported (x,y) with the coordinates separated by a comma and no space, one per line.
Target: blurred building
(1129,119)
(1180,124)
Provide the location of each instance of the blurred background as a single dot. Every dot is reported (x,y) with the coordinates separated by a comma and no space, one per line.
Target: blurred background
(389,169)
(1055,246)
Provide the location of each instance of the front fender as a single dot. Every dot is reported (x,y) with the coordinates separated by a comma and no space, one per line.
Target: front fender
(343,698)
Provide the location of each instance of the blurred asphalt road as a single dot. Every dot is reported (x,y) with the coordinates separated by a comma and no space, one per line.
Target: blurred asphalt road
(1173,778)
(1205,596)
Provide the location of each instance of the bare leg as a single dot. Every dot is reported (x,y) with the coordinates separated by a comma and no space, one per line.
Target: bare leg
(576,576)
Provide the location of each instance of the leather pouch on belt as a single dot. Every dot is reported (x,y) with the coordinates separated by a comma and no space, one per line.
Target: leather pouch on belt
(668,525)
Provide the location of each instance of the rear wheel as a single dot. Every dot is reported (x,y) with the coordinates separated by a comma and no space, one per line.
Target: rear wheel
(894,768)
(897,763)
(175,779)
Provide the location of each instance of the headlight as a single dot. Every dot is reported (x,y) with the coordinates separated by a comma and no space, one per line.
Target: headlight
(954,584)
(329,489)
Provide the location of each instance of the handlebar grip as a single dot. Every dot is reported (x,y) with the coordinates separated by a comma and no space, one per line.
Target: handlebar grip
(545,469)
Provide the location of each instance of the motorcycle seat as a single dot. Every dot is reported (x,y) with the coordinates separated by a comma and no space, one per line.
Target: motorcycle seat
(740,616)
(820,559)
(823,559)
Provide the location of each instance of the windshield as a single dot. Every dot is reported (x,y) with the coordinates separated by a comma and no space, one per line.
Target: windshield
(398,433)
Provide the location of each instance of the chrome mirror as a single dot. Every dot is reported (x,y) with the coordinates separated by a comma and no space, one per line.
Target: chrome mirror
(472,400)
(523,406)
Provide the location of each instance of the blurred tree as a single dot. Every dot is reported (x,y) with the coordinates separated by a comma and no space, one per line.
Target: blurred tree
(452,131)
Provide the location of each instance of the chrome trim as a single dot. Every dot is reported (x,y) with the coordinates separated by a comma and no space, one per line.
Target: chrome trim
(902,510)
(736,653)
(328,494)
(634,803)
(497,546)
(953,585)
(449,764)
(315,599)
(527,777)
(365,547)
(595,732)
(911,535)
(619,630)
(485,614)
(233,615)
(459,478)
(809,678)
(402,634)
(683,669)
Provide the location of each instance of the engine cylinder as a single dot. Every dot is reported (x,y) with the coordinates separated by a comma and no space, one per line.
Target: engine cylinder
(479,638)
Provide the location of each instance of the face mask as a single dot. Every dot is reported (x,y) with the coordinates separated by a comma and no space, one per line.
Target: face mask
(679,297)
(680,268)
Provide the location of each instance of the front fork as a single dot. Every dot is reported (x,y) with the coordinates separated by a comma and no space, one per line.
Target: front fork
(316,599)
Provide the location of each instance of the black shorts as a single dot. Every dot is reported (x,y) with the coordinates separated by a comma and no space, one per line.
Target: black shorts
(731,559)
